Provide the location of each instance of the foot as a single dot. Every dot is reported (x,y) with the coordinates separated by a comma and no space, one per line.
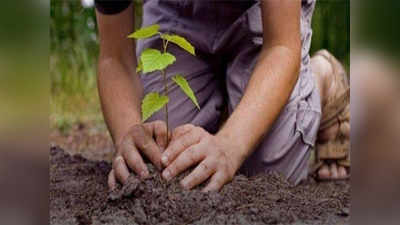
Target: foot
(332,172)
(330,86)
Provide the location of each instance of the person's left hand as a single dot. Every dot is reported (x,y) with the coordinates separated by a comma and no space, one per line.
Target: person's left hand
(216,157)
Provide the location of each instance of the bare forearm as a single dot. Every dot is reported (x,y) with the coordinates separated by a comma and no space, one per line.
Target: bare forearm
(268,90)
(273,78)
(120,92)
(119,86)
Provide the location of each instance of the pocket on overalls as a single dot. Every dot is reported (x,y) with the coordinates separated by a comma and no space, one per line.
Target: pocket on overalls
(307,121)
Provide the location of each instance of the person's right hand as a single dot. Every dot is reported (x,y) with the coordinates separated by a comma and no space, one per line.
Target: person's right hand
(149,140)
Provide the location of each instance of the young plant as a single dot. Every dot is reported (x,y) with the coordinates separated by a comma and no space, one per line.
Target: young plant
(152,60)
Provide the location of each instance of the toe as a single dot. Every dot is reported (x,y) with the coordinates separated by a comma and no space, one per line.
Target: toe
(334,171)
(342,172)
(324,172)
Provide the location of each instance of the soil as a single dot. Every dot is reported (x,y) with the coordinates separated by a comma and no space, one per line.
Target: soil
(79,195)
(90,140)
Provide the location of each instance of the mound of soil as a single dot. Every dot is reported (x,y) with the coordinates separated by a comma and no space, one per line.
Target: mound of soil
(79,195)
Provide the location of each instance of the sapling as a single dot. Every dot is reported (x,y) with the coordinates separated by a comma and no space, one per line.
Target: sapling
(152,60)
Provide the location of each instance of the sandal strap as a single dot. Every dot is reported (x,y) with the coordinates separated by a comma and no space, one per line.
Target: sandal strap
(344,162)
(333,150)
(340,161)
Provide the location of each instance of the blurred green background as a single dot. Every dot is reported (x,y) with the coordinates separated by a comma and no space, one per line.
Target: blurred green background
(74,50)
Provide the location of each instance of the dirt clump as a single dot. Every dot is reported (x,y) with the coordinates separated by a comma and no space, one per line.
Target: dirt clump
(79,195)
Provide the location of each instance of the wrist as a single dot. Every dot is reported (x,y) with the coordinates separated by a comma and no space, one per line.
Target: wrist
(235,147)
(120,134)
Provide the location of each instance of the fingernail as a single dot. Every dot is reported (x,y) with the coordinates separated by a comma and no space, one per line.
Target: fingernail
(166,174)
(164,160)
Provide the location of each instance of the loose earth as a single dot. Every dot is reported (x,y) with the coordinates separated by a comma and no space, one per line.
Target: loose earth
(79,195)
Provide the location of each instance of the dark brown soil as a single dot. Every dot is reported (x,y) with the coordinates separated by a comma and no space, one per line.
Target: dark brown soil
(79,195)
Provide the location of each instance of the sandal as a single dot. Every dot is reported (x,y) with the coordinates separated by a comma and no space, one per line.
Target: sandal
(337,110)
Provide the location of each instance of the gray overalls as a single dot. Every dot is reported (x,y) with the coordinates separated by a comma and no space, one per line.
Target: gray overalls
(227,35)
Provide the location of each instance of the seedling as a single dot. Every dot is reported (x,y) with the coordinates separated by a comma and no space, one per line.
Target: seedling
(152,60)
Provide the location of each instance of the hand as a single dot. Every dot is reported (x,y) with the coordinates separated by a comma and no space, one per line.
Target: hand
(138,140)
(215,156)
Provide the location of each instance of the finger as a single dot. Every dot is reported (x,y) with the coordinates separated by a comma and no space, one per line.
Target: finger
(148,146)
(135,161)
(185,160)
(216,182)
(112,182)
(120,169)
(159,130)
(178,145)
(201,173)
(181,130)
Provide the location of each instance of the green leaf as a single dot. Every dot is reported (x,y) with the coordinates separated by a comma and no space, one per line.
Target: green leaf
(139,66)
(153,59)
(180,41)
(152,103)
(145,32)
(184,85)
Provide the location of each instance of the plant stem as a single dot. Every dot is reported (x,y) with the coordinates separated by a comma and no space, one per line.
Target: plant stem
(165,45)
(166,105)
(164,74)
